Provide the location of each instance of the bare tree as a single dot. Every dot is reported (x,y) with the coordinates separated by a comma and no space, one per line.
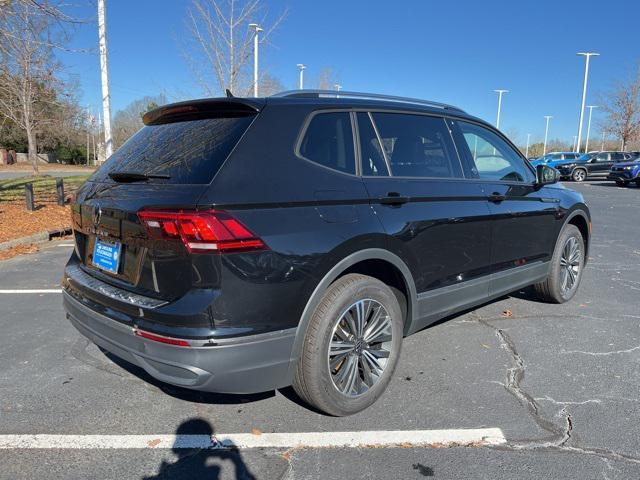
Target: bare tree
(221,44)
(621,106)
(28,70)
(128,121)
(327,79)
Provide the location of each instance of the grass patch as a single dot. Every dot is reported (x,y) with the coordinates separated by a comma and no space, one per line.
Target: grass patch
(44,187)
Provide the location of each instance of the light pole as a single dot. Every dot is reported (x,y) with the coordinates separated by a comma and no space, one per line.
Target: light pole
(602,144)
(586,146)
(575,137)
(104,76)
(528,138)
(587,56)
(500,93)
(546,134)
(301,67)
(337,86)
(256,29)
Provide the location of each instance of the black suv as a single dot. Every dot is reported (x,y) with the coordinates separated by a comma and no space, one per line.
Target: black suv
(240,245)
(592,165)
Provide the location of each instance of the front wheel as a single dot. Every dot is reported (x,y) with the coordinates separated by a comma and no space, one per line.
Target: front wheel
(621,183)
(351,347)
(565,271)
(579,175)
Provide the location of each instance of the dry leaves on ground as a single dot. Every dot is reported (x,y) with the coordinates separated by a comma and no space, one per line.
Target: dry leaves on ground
(17,222)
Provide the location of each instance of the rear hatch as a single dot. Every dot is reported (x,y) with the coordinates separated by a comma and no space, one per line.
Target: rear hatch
(166,166)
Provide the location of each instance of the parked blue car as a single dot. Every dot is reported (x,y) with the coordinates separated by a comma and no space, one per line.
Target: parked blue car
(553,158)
(625,172)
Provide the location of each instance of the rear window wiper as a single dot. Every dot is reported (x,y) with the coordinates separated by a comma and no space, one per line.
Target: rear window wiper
(124,177)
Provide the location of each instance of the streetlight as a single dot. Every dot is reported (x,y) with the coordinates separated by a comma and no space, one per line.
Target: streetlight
(546,134)
(528,138)
(256,29)
(590,107)
(500,93)
(575,137)
(587,56)
(301,67)
(602,145)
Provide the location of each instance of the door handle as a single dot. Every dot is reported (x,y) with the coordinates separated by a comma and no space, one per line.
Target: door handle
(393,198)
(496,197)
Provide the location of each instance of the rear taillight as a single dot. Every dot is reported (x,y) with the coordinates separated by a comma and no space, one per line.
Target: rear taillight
(201,231)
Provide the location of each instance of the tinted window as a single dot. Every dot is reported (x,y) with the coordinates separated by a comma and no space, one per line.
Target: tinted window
(571,156)
(556,156)
(417,145)
(329,141)
(602,157)
(373,162)
(189,152)
(493,157)
(617,156)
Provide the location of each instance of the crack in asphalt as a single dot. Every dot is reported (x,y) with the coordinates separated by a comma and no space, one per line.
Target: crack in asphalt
(559,434)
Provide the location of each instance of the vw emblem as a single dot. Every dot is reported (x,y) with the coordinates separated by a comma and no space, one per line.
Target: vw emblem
(97,214)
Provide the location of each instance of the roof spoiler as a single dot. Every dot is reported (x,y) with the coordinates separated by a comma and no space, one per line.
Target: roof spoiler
(205,108)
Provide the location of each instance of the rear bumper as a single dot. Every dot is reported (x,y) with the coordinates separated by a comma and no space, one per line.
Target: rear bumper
(248,364)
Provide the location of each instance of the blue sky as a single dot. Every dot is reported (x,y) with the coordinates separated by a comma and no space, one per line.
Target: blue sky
(450,51)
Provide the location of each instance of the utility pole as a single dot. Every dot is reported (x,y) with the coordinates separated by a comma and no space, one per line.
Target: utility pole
(587,56)
(500,93)
(301,67)
(256,29)
(590,107)
(88,127)
(602,145)
(104,73)
(546,134)
(575,137)
(528,138)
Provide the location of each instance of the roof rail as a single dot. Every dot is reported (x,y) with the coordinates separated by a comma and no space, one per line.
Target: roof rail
(361,95)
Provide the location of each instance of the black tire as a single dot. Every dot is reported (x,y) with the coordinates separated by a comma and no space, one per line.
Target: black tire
(313,380)
(579,175)
(551,289)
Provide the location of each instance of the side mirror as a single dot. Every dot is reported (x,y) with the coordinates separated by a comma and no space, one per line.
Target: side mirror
(546,175)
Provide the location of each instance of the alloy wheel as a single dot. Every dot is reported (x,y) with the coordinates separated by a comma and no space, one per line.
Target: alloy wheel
(360,346)
(570,265)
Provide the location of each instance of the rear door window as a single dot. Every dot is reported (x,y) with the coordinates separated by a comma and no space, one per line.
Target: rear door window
(328,141)
(189,152)
(418,145)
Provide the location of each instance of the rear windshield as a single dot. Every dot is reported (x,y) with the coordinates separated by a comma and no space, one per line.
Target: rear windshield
(189,152)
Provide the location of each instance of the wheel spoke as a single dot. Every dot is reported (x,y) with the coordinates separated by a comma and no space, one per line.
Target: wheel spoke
(377,325)
(338,347)
(379,353)
(373,362)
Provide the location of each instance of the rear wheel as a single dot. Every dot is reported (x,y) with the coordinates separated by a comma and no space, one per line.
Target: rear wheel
(352,346)
(621,183)
(579,175)
(566,267)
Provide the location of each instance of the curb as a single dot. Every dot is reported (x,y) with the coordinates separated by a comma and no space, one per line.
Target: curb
(40,237)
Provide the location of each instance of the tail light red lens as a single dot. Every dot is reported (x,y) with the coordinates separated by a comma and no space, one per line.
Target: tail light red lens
(201,231)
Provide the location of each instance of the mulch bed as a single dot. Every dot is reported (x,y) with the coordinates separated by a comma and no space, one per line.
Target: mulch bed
(17,222)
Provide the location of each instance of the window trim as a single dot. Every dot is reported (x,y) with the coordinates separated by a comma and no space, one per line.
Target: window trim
(303,132)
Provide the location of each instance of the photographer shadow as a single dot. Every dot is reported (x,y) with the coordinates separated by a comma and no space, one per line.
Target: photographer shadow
(199,462)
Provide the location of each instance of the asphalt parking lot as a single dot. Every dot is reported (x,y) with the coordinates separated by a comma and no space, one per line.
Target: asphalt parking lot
(559,381)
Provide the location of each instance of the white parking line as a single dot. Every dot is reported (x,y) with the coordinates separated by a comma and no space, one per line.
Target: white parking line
(40,290)
(399,438)
(64,245)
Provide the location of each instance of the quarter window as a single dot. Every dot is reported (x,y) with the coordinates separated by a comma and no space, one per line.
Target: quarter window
(328,141)
(494,159)
(417,145)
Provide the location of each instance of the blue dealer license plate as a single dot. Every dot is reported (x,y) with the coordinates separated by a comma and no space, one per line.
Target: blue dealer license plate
(106,255)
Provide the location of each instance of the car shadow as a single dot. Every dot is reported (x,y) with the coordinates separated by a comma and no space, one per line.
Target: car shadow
(201,462)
